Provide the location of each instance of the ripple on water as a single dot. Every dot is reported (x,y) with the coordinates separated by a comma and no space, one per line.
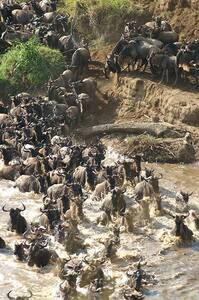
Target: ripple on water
(176,270)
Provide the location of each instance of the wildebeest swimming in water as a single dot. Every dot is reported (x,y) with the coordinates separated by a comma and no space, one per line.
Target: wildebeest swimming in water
(18,222)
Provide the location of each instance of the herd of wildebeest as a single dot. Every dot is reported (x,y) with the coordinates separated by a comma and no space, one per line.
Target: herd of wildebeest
(39,154)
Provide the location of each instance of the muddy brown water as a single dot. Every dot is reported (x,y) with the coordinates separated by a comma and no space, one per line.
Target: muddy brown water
(175,269)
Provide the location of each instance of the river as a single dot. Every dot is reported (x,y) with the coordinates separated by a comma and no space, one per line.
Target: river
(175,268)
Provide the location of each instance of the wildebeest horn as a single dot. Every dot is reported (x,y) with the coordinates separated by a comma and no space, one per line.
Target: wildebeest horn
(60,286)
(67,260)
(84,197)
(30,295)
(26,232)
(3,208)
(127,296)
(148,178)
(168,212)
(43,210)
(23,207)
(124,191)
(85,260)
(27,245)
(8,295)
(161,176)
(190,194)
(185,216)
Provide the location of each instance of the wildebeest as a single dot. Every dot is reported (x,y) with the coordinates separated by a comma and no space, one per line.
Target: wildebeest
(51,215)
(80,61)
(111,65)
(84,175)
(39,255)
(101,190)
(22,16)
(165,64)
(18,222)
(87,86)
(143,189)
(19,251)
(114,203)
(28,183)
(181,229)
(56,191)
(182,197)
(130,169)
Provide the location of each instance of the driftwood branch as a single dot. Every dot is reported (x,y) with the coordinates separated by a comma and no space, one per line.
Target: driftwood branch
(154,129)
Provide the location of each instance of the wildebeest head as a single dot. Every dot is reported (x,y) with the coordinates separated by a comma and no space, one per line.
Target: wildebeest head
(138,158)
(53,215)
(19,251)
(38,254)
(19,297)
(15,216)
(146,173)
(116,199)
(181,230)
(184,196)
(154,181)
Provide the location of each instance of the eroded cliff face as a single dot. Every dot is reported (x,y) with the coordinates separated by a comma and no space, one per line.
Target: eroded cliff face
(145,97)
(182,14)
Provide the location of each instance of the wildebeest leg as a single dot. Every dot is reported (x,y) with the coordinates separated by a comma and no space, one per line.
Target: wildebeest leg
(163,76)
(76,74)
(107,73)
(118,78)
(167,76)
(145,65)
(140,65)
(196,79)
(176,75)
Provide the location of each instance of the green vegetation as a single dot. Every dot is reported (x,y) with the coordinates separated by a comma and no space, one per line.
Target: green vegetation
(143,138)
(29,66)
(103,19)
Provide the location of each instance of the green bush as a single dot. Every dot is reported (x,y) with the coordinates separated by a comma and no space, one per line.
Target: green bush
(28,66)
(104,19)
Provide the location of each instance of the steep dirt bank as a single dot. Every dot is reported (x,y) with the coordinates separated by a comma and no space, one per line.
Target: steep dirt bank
(147,98)
(103,22)
(183,15)
(138,98)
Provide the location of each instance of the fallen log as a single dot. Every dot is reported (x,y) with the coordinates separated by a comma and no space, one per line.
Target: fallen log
(158,130)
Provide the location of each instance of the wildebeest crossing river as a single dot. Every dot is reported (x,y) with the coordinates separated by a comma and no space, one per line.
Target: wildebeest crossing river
(173,270)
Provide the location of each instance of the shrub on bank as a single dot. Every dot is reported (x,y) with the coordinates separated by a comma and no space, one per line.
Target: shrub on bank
(29,65)
(104,19)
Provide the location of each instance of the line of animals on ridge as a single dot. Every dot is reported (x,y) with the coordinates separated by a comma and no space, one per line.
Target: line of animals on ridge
(42,161)
(39,158)
(154,43)
(157,45)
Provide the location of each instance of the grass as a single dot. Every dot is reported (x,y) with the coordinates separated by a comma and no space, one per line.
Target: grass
(143,138)
(103,18)
(28,66)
